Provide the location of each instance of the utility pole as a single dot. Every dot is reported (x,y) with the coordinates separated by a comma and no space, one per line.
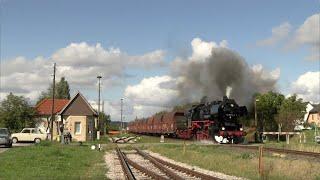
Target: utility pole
(98,122)
(53,93)
(121,114)
(255,112)
(104,122)
(0,40)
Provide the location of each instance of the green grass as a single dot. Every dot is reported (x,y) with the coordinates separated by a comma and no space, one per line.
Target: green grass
(52,161)
(240,163)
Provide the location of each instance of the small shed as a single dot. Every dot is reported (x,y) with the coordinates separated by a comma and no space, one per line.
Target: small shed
(79,118)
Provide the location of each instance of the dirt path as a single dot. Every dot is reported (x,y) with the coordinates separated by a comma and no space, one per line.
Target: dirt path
(3,149)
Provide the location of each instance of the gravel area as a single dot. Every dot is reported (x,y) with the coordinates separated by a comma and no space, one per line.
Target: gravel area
(145,163)
(114,166)
(212,173)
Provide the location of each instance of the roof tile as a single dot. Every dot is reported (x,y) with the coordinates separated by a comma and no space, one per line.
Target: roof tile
(45,106)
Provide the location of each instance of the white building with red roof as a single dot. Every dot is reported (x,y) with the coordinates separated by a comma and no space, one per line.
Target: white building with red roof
(44,110)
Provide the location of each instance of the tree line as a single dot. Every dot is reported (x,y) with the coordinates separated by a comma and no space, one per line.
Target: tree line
(274,110)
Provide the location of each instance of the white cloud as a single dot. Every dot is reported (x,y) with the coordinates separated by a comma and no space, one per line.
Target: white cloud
(307,86)
(84,55)
(80,63)
(113,109)
(202,49)
(278,33)
(150,95)
(264,74)
(308,34)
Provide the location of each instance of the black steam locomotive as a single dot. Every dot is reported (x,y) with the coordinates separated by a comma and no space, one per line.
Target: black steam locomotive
(223,117)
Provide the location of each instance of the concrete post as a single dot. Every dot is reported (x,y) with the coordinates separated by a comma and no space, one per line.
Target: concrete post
(162,139)
(300,138)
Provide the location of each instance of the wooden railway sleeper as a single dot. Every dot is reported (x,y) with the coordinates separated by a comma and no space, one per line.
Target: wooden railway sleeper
(166,170)
(125,166)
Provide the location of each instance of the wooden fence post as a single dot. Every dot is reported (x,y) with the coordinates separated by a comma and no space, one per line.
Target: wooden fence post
(260,161)
(184,147)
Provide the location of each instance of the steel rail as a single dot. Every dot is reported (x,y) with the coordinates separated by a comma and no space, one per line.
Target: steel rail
(278,150)
(289,151)
(162,167)
(125,166)
(186,170)
(145,170)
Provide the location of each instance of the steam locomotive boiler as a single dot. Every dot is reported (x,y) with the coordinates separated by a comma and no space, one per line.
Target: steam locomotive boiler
(217,120)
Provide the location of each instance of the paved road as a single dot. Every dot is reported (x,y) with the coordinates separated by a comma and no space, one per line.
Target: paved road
(17,145)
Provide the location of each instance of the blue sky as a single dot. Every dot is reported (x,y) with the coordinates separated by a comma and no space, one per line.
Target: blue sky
(39,28)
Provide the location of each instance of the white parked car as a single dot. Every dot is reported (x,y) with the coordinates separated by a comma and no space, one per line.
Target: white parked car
(29,134)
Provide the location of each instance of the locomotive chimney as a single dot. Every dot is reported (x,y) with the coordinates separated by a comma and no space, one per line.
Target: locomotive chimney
(225,98)
(228,91)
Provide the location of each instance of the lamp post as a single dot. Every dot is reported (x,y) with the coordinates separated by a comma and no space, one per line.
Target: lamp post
(121,114)
(255,112)
(98,121)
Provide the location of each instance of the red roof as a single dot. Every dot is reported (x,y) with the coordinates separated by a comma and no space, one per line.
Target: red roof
(45,106)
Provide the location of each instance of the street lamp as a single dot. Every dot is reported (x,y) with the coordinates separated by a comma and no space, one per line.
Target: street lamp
(121,114)
(98,121)
(255,112)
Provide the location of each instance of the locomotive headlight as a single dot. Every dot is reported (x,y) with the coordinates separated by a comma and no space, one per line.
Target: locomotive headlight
(241,129)
(223,128)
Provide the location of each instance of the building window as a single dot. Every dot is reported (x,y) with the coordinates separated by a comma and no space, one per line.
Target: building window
(77,128)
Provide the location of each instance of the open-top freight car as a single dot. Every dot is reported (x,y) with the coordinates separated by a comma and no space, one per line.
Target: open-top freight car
(216,120)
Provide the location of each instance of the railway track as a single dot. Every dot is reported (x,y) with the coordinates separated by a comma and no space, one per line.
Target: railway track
(140,165)
(278,150)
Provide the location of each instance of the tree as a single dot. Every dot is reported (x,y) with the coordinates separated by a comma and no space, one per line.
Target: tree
(105,120)
(290,113)
(62,91)
(267,106)
(16,113)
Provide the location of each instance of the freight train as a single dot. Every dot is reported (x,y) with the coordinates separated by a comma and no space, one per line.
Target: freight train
(217,120)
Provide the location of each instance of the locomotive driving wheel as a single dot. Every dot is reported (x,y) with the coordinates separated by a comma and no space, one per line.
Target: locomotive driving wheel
(238,140)
(220,139)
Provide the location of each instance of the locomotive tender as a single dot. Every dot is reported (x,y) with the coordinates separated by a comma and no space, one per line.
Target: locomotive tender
(217,120)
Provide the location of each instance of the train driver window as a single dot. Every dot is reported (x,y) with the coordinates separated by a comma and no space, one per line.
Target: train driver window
(214,109)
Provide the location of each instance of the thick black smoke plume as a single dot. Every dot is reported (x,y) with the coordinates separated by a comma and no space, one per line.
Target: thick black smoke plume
(224,69)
